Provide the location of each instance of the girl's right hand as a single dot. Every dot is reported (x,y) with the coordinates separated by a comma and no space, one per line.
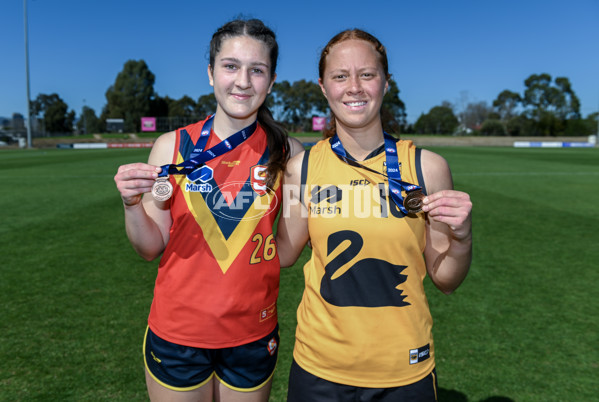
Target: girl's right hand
(135,179)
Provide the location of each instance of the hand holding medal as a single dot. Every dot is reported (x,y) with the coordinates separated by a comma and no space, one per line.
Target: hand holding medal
(162,189)
(134,179)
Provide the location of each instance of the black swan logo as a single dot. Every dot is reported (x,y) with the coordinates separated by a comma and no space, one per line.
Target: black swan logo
(368,283)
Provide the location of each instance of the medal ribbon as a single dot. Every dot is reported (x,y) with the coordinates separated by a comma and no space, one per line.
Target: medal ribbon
(396,185)
(199,157)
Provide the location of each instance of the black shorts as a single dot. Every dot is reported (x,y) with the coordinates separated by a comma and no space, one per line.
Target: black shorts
(242,368)
(304,386)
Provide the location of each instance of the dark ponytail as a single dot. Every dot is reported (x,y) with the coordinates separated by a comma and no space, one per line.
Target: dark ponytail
(278,145)
(277,138)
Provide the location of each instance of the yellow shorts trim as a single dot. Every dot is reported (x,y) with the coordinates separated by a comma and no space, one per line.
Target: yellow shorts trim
(200,385)
(248,389)
(256,387)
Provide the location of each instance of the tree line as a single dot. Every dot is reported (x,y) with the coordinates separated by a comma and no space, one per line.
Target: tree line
(547,107)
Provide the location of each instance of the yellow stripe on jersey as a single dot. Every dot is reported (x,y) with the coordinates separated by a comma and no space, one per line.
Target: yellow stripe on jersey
(227,248)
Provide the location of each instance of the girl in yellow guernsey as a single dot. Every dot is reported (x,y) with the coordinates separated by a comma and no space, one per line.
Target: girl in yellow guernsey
(364,326)
(212,330)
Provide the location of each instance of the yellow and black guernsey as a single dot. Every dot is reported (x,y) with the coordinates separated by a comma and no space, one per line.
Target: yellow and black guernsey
(364,318)
(218,278)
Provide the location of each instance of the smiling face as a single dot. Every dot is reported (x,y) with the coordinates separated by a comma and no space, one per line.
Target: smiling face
(241,79)
(354,83)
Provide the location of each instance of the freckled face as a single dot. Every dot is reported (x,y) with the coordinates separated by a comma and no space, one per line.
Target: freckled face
(241,77)
(354,83)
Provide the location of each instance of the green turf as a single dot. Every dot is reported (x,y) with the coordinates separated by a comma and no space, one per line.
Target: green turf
(523,326)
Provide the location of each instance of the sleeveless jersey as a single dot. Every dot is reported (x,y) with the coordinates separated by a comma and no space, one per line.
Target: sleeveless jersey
(218,278)
(364,319)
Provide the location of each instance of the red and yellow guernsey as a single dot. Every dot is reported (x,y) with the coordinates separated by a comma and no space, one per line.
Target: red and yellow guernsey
(218,278)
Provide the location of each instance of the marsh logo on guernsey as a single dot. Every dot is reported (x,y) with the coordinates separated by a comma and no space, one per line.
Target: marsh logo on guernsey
(420,354)
(199,179)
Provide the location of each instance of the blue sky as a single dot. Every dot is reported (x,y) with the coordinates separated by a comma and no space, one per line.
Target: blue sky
(459,51)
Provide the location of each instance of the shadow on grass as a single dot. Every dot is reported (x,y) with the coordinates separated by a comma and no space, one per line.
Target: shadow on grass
(449,395)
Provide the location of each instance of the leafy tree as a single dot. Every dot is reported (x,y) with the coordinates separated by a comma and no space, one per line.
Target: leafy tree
(184,107)
(393,110)
(206,105)
(538,93)
(276,100)
(519,126)
(295,104)
(548,124)
(592,122)
(568,106)
(492,127)
(550,107)
(89,122)
(131,95)
(581,127)
(159,106)
(506,103)
(55,114)
(515,126)
(423,124)
(439,120)
(475,114)
(541,97)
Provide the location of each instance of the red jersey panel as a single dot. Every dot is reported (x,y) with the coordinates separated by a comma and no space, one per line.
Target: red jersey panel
(218,278)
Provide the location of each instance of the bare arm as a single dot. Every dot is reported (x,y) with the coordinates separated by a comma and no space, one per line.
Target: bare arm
(448,251)
(292,231)
(147,221)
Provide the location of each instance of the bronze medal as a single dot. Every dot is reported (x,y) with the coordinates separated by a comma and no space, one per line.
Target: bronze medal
(413,202)
(162,189)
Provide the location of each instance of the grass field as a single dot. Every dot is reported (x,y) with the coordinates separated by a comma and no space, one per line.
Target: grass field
(523,326)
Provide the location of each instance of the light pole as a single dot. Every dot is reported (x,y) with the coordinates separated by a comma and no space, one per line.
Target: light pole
(27,75)
(84,119)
